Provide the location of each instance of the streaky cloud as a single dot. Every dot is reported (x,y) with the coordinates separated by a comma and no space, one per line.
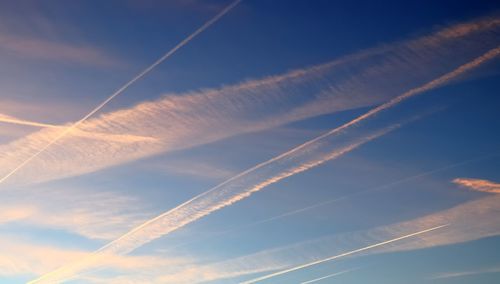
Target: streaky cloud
(315,152)
(480,185)
(180,121)
(458,274)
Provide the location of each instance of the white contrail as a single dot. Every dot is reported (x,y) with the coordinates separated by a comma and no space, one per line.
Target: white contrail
(254,179)
(327,276)
(124,87)
(341,255)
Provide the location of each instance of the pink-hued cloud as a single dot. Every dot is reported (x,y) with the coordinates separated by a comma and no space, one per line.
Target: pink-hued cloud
(478,184)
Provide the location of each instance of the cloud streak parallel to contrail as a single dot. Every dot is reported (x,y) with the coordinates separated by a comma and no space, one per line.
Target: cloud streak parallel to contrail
(308,155)
(480,185)
(259,279)
(73,126)
(181,121)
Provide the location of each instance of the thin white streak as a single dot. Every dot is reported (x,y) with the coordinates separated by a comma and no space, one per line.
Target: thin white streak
(341,255)
(327,276)
(123,88)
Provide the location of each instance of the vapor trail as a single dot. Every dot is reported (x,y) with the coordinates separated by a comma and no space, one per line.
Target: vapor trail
(326,277)
(341,255)
(243,185)
(124,87)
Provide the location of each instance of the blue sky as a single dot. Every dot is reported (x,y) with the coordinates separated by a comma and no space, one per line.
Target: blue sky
(289,142)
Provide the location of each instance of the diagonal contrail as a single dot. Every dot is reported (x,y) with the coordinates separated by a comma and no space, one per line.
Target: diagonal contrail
(326,277)
(124,87)
(255,280)
(241,186)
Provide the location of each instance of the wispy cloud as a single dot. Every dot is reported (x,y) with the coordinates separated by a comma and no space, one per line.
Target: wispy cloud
(308,155)
(186,120)
(21,258)
(478,184)
(458,274)
(38,48)
(89,213)
(192,168)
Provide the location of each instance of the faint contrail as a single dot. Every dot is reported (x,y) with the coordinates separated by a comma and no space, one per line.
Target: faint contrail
(124,87)
(327,276)
(256,178)
(341,255)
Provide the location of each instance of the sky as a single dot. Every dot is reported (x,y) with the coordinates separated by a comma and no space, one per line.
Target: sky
(252,141)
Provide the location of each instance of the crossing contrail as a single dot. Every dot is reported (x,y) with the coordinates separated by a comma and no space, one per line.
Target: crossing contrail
(243,185)
(124,87)
(255,280)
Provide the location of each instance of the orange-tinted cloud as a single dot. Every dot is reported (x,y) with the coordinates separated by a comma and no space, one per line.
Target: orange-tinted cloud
(478,184)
